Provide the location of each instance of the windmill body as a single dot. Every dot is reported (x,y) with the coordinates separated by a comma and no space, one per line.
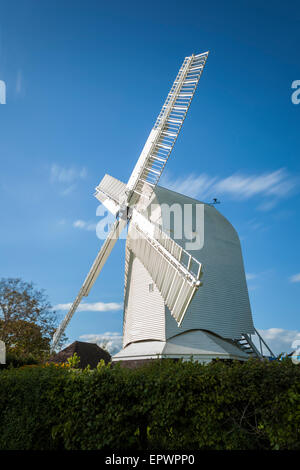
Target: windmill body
(179,300)
(219,313)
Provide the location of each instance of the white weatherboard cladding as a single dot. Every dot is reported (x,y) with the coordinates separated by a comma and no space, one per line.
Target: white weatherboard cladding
(143,310)
(221,304)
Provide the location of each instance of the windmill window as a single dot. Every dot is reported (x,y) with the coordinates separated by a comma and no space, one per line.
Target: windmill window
(151,287)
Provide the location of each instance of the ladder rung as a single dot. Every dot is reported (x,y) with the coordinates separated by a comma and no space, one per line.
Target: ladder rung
(171,134)
(163,153)
(190,88)
(185,94)
(167,139)
(140,194)
(197,67)
(182,94)
(177,121)
(158,158)
(203,54)
(157,164)
(167,147)
(145,181)
(183,108)
(153,171)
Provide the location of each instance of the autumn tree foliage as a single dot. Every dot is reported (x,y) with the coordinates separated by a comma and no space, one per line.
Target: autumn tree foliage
(27,319)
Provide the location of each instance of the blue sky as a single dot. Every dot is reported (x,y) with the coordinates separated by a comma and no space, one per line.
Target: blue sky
(85,82)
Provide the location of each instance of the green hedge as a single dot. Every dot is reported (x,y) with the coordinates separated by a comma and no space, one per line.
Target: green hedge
(162,406)
(17,360)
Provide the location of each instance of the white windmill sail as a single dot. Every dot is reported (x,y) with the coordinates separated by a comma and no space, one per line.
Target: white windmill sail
(118,197)
(112,188)
(162,138)
(175,272)
(110,192)
(94,272)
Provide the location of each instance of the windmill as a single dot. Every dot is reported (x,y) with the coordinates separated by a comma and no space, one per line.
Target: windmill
(168,310)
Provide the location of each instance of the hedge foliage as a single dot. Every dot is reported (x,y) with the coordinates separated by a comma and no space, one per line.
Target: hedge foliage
(17,360)
(161,406)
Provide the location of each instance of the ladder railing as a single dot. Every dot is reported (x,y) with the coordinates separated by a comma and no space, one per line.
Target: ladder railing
(248,346)
(262,342)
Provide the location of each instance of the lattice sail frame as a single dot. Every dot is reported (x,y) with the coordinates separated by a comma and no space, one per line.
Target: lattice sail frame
(163,136)
(175,272)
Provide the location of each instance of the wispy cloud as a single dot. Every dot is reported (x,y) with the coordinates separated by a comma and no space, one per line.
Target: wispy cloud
(112,342)
(92,307)
(68,177)
(276,184)
(256,225)
(280,340)
(250,276)
(295,278)
(83,225)
(256,280)
(272,186)
(68,190)
(191,185)
(267,205)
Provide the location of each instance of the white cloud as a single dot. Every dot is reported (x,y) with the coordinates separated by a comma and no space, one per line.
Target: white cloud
(250,276)
(92,307)
(68,190)
(79,224)
(267,205)
(82,224)
(280,340)
(191,185)
(66,175)
(276,184)
(273,186)
(295,278)
(112,342)
(256,225)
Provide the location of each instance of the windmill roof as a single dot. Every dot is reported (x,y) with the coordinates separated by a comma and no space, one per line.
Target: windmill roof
(89,354)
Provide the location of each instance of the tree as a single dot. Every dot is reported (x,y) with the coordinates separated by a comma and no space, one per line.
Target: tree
(27,319)
(23,337)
